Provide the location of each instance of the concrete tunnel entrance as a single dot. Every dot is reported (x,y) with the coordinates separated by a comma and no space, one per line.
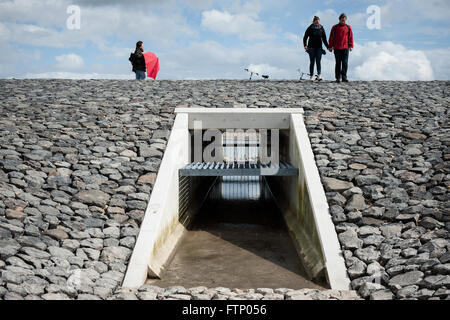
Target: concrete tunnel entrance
(237,239)
(237,222)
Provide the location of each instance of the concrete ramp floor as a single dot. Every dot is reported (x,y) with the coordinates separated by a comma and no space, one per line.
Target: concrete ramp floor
(237,240)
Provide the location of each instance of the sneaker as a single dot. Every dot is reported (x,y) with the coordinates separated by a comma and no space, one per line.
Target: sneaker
(344,80)
(319,77)
(338,80)
(311,78)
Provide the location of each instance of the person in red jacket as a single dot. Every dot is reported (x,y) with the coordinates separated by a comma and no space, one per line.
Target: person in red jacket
(341,40)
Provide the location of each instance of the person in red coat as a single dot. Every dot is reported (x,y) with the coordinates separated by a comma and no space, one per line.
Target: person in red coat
(341,40)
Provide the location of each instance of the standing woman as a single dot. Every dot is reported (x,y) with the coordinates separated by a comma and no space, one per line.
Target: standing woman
(138,61)
(316,34)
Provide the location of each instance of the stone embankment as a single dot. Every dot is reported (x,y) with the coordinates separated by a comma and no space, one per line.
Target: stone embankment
(78,160)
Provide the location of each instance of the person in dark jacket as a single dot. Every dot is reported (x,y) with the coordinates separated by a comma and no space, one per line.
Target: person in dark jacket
(316,34)
(341,40)
(138,61)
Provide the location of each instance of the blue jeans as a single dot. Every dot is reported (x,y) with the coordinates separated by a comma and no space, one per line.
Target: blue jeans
(341,63)
(315,56)
(140,75)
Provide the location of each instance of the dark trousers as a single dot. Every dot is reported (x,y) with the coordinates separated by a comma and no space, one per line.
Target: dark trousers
(140,75)
(341,63)
(315,57)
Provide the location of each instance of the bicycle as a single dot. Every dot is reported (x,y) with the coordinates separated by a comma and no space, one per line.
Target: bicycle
(266,77)
(302,74)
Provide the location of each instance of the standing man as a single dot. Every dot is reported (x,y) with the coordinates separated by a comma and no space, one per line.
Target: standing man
(138,61)
(341,40)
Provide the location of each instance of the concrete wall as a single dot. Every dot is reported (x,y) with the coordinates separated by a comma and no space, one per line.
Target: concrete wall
(302,199)
(161,229)
(193,192)
(292,197)
(305,209)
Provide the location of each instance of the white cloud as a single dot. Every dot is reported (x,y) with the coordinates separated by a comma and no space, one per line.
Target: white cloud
(4,33)
(440,61)
(69,61)
(401,10)
(113,27)
(330,17)
(43,23)
(389,61)
(266,69)
(295,38)
(244,25)
(168,4)
(77,76)
(213,60)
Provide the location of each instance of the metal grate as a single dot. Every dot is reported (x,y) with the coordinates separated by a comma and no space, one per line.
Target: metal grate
(222,169)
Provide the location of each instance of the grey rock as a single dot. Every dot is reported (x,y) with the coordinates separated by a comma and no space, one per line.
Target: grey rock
(147,295)
(35,253)
(373,240)
(103,292)
(368,288)
(445,258)
(436,281)
(112,232)
(12,296)
(430,223)
(146,151)
(60,252)
(391,230)
(93,197)
(8,248)
(368,255)
(115,254)
(357,202)
(349,240)
(382,295)
(332,184)
(57,234)
(407,292)
(423,294)
(365,231)
(363,180)
(429,264)
(374,212)
(88,297)
(93,222)
(407,279)
(126,296)
(55,296)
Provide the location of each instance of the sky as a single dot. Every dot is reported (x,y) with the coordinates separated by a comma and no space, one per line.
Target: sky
(218,39)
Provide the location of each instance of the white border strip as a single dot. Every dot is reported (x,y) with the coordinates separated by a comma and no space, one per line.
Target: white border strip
(334,260)
(217,111)
(240,118)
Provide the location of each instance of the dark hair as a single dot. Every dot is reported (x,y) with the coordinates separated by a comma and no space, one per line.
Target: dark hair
(343,15)
(316,18)
(138,44)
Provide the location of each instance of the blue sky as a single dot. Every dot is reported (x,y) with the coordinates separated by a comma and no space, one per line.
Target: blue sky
(209,39)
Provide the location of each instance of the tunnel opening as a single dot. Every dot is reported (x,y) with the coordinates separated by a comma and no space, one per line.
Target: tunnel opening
(235,232)
(245,217)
